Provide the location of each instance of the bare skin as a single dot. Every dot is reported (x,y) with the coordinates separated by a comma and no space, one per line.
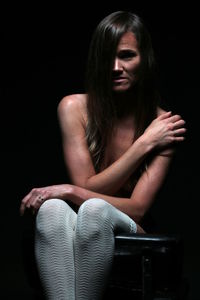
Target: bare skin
(123,155)
(122,158)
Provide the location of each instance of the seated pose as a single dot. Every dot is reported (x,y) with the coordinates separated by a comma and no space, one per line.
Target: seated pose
(118,143)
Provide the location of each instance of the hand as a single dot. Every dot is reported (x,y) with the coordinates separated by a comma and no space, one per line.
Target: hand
(165,130)
(37,196)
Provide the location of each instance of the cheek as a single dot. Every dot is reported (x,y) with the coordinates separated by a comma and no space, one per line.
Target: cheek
(134,69)
(134,66)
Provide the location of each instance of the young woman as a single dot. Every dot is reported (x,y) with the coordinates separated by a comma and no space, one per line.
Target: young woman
(118,144)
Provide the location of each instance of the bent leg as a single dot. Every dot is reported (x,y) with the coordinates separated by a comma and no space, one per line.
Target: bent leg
(55,227)
(97,224)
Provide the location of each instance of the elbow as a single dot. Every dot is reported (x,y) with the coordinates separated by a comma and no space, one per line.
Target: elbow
(137,217)
(137,213)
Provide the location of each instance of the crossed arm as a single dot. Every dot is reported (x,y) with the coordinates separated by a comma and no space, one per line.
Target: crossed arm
(162,132)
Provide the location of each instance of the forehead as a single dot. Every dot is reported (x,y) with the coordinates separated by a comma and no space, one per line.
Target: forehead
(128,40)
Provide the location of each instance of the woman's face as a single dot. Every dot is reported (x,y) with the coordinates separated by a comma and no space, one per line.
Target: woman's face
(126,63)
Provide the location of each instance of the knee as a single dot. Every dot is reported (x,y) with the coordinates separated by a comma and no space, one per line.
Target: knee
(49,217)
(93,219)
(94,209)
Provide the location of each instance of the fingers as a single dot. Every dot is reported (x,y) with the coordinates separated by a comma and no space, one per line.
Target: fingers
(165,115)
(176,119)
(174,122)
(24,204)
(32,201)
(171,118)
(180,138)
(178,124)
(167,129)
(179,131)
(36,203)
(177,127)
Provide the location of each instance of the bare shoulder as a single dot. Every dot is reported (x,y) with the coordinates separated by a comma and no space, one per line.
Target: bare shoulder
(72,102)
(73,105)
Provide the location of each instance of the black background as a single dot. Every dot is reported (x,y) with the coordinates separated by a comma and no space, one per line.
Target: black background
(43,51)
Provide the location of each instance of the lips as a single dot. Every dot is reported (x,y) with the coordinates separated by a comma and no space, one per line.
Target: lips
(119,79)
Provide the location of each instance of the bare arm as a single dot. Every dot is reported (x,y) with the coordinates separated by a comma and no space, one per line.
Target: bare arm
(110,180)
(87,184)
(143,194)
(135,206)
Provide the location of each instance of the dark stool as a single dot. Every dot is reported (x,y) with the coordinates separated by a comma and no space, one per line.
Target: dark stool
(147,267)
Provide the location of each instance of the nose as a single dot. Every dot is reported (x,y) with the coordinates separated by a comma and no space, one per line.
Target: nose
(117,66)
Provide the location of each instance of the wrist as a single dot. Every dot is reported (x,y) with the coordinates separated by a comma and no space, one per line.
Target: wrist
(145,144)
(74,194)
(69,191)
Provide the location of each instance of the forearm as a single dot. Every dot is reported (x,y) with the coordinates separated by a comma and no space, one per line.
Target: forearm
(78,195)
(110,180)
(142,196)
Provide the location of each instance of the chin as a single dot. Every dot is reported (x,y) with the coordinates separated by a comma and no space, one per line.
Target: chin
(121,89)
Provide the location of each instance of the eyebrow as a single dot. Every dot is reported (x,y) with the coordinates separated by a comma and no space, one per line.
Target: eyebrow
(127,50)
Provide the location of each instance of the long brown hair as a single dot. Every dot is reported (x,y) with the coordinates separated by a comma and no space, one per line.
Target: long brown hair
(100,105)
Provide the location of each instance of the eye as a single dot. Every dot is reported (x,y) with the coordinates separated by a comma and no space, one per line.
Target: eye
(127,54)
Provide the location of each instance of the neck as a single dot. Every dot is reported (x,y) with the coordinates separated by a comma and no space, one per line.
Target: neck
(125,103)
